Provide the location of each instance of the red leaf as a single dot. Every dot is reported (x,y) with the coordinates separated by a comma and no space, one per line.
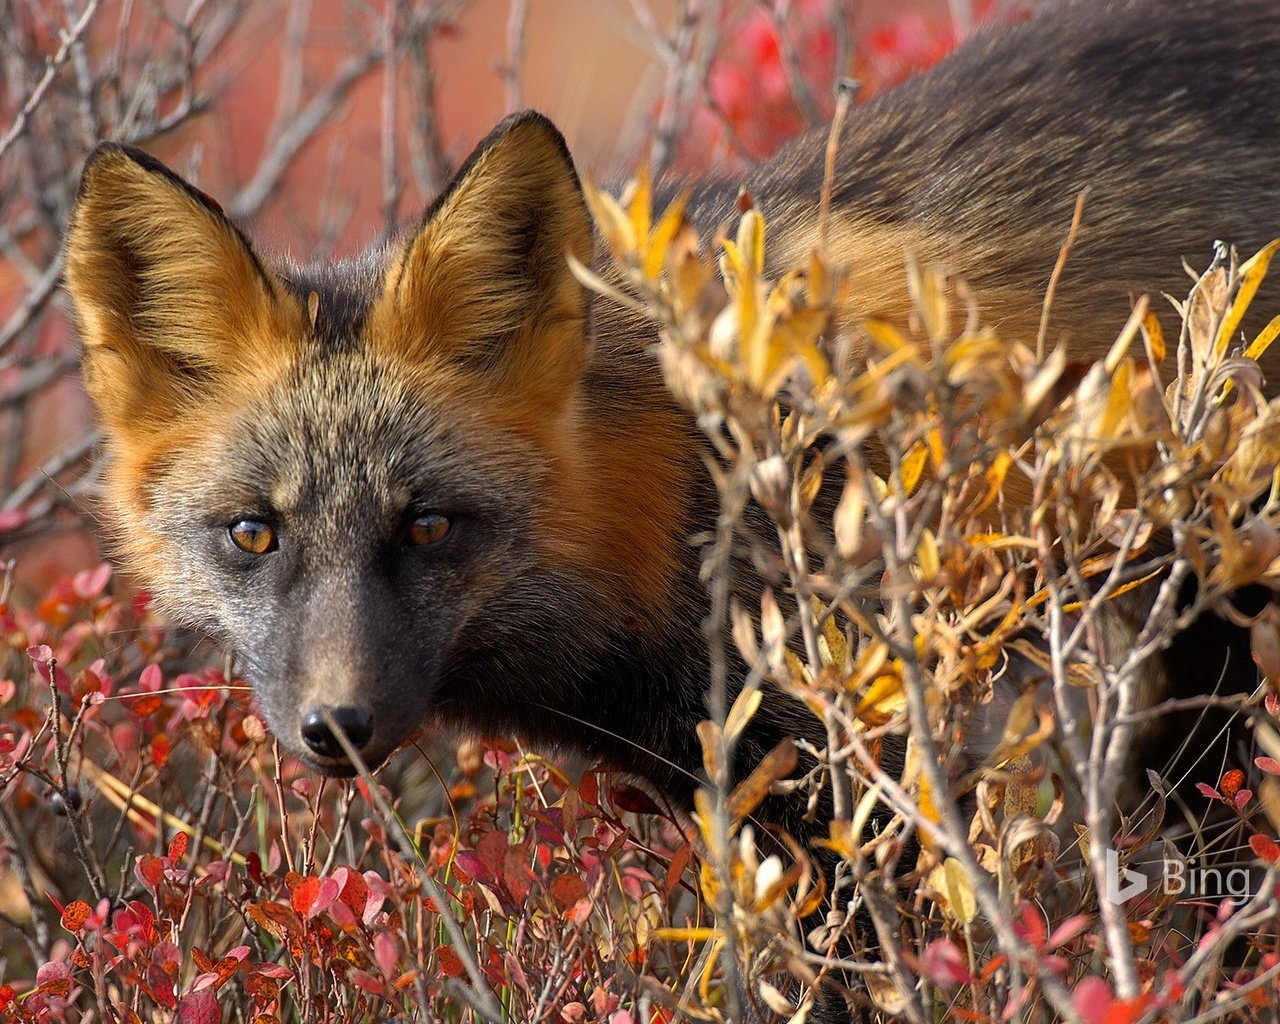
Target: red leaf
(200,1008)
(150,871)
(1128,1010)
(1031,926)
(326,894)
(566,890)
(1093,998)
(517,875)
(11,520)
(367,982)
(146,705)
(303,895)
(53,973)
(1268,764)
(225,968)
(352,889)
(626,797)
(378,893)
(450,963)
(178,847)
(253,864)
(92,582)
(1265,848)
(945,964)
(76,914)
(386,951)
(675,870)
(1230,783)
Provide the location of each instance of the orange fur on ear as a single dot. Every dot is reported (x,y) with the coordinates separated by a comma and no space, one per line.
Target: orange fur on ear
(484,283)
(170,298)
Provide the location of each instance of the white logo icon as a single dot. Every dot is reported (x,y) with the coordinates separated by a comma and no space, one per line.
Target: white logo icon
(1123,883)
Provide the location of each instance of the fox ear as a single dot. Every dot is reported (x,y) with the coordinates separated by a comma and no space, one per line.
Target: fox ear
(170,298)
(484,282)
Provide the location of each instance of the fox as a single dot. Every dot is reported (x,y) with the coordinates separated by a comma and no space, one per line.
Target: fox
(441,482)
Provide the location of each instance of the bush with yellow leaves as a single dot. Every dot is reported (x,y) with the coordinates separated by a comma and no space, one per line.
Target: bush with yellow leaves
(984,549)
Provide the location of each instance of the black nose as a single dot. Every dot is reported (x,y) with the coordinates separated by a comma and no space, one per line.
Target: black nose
(357,724)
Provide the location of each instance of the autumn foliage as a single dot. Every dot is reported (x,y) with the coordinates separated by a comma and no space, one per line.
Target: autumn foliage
(162,860)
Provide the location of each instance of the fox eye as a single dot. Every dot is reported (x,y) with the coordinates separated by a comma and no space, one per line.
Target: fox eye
(252,536)
(429,529)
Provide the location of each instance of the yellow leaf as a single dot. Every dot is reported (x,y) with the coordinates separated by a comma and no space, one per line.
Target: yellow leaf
(685,934)
(775,765)
(1130,331)
(1206,300)
(731,266)
(928,809)
(927,556)
(1119,399)
(1022,790)
(1046,377)
(912,466)
(743,710)
(886,993)
(841,836)
(775,1000)
(884,334)
(614,224)
(995,476)
(640,205)
(664,233)
(757,350)
(849,518)
(884,698)
(744,632)
(872,659)
(751,241)
(709,737)
(689,273)
(937,451)
(1251,275)
(959,891)
(1021,715)
(1263,341)
(772,625)
(861,815)
(1153,335)
(817,280)
(704,813)
(928,291)
(831,643)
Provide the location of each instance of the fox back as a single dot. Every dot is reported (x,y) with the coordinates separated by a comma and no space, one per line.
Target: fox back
(438,482)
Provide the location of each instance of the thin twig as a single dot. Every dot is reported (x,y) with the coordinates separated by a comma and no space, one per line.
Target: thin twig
(513,64)
(70,41)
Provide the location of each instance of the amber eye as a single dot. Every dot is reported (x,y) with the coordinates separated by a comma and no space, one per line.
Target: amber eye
(429,529)
(252,536)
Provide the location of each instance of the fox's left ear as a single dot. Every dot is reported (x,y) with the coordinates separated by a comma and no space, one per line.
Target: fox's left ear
(485,283)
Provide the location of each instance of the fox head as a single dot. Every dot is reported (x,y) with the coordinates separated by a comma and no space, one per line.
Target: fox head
(390,484)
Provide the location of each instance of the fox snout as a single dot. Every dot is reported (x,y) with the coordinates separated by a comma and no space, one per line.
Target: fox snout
(331,723)
(322,729)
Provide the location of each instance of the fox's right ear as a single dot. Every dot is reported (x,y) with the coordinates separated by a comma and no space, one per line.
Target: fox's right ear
(170,298)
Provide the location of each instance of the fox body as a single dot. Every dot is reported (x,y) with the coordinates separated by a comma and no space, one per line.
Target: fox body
(438,481)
